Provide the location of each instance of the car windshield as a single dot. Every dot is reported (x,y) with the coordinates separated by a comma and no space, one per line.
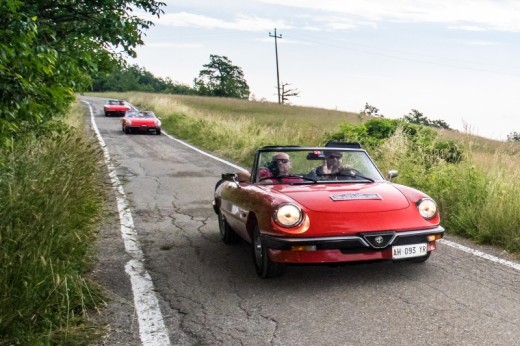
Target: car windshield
(313,165)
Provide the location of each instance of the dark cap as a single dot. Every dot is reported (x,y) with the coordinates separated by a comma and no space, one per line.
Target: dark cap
(335,153)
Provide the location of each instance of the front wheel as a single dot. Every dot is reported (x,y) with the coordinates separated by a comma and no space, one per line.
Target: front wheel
(226,233)
(265,268)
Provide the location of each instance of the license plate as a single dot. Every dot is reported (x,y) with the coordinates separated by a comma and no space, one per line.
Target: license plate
(408,251)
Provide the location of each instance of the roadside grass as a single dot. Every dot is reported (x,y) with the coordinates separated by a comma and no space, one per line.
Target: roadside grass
(478,197)
(51,201)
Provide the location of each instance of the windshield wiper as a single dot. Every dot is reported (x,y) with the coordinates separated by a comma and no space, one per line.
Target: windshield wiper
(353,173)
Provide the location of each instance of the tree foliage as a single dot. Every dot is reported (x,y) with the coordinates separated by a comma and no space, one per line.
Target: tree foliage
(221,78)
(416,117)
(375,132)
(49,49)
(371,111)
(513,137)
(135,78)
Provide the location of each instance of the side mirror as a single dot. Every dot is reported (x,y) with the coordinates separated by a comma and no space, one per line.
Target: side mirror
(392,174)
(230,177)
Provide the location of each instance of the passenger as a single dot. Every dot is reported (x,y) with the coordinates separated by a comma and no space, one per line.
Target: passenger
(332,165)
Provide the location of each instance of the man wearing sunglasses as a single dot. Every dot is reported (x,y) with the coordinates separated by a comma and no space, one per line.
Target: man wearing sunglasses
(278,169)
(280,164)
(331,165)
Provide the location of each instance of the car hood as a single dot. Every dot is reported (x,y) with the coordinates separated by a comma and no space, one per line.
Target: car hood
(347,198)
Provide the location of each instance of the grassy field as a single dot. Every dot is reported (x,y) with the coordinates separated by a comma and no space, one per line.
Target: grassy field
(478,196)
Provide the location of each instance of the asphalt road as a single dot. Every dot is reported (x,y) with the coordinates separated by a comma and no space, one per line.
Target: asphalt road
(209,294)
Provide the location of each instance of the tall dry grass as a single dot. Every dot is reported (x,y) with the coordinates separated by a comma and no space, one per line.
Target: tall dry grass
(50,202)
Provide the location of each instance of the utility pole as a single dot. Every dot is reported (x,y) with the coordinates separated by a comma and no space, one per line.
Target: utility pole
(277,70)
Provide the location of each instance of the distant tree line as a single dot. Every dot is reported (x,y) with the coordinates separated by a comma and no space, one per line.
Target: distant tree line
(135,78)
(414,117)
(218,78)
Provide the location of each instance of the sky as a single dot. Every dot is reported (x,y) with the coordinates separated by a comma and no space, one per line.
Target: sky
(456,61)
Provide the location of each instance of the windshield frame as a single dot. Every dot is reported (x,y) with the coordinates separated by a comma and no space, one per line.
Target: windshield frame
(271,150)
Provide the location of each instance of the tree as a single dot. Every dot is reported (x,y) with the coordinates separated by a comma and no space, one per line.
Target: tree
(49,50)
(513,137)
(221,78)
(286,93)
(416,117)
(371,111)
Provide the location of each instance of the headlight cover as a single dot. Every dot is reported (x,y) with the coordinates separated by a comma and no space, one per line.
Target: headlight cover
(427,208)
(288,215)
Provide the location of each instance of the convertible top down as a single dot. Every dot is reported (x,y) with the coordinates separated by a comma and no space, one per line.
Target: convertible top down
(312,205)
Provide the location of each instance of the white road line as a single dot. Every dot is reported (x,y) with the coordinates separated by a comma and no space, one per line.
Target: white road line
(152,330)
(205,153)
(481,254)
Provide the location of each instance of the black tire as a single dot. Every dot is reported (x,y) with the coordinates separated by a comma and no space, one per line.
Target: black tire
(127,130)
(421,259)
(265,268)
(227,234)
(158,131)
(107,114)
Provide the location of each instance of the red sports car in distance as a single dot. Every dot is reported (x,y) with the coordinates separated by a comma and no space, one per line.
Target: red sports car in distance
(316,205)
(116,108)
(143,121)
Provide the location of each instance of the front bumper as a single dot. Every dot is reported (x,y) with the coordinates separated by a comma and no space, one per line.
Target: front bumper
(143,128)
(360,247)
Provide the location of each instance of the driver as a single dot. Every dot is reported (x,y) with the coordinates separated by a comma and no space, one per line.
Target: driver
(279,166)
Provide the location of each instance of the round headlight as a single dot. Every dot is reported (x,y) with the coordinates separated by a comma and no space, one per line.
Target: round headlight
(288,215)
(427,208)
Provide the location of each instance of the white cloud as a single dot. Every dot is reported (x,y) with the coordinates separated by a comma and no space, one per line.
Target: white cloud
(240,22)
(461,14)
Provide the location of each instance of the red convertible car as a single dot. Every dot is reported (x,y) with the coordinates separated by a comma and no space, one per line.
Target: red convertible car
(143,121)
(316,205)
(116,107)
